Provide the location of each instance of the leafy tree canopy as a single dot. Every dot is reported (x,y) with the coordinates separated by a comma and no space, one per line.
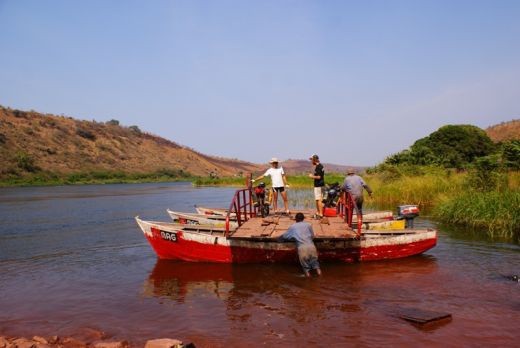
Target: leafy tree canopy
(452,146)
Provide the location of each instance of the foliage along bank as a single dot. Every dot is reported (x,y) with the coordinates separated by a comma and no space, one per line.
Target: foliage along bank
(461,175)
(45,178)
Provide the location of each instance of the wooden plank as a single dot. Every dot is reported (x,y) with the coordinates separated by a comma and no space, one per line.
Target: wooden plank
(274,226)
(421,316)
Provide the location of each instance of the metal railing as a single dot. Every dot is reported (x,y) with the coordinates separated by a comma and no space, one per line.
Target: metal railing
(241,206)
(345,208)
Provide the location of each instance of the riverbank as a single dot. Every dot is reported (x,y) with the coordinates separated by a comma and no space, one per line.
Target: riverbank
(93,177)
(454,197)
(448,196)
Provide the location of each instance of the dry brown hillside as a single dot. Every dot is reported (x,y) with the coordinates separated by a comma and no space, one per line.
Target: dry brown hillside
(64,145)
(504,131)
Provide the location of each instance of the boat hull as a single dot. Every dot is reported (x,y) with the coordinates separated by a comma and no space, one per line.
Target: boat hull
(176,243)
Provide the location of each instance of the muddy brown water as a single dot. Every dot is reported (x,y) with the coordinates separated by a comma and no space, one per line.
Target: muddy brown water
(72,257)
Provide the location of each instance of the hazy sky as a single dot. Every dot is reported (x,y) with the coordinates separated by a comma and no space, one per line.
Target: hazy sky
(353,81)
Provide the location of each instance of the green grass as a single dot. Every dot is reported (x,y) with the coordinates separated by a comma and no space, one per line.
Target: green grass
(225,181)
(497,212)
(95,177)
(425,189)
(295,181)
(453,198)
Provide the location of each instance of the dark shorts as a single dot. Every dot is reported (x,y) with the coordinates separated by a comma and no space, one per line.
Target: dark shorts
(279,189)
(308,256)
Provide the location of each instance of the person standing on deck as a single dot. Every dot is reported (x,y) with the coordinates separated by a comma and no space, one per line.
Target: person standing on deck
(278,182)
(319,183)
(354,185)
(301,232)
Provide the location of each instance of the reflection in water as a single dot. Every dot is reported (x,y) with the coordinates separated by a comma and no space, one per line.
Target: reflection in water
(176,281)
(264,302)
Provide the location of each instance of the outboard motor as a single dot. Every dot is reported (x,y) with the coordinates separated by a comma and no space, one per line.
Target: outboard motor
(408,213)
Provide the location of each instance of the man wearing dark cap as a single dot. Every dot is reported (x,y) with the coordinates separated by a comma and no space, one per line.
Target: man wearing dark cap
(319,183)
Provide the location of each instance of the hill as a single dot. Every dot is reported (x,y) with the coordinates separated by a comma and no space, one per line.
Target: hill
(504,131)
(35,142)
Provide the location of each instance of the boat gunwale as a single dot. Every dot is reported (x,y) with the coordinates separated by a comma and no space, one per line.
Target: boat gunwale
(212,231)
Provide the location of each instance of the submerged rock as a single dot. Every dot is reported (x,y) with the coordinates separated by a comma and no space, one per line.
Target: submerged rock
(69,342)
(3,342)
(39,339)
(113,344)
(163,343)
(23,343)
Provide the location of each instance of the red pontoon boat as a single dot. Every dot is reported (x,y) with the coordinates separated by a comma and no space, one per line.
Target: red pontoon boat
(248,238)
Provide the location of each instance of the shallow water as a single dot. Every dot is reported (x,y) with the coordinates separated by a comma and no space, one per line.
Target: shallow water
(72,257)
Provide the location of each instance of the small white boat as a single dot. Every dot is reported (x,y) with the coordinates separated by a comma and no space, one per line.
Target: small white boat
(211,211)
(200,219)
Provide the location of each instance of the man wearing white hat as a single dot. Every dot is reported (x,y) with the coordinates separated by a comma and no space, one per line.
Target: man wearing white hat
(278,182)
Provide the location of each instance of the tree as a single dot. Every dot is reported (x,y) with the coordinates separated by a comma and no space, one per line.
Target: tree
(511,154)
(452,146)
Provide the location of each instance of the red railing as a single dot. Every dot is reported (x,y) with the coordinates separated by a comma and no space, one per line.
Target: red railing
(345,208)
(241,206)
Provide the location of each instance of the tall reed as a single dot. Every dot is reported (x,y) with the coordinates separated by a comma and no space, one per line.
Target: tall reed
(497,212)
(423,189)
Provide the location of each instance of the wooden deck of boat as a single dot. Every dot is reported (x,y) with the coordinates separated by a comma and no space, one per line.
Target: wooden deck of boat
(275,225)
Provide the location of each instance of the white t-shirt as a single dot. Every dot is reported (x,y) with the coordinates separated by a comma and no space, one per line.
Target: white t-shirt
(276,176)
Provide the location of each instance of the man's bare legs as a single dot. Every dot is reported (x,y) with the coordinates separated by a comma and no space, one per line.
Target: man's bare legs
(285,202)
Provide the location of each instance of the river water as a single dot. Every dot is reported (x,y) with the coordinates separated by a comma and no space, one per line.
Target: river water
(72,258)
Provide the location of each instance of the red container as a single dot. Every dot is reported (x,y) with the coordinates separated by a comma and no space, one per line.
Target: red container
(329,212)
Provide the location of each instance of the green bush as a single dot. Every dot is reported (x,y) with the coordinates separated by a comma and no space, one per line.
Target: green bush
(85,134)
(135,129)
(511,154)
(26,162)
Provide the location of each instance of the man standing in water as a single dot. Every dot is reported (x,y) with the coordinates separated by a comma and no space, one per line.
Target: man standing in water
(354,185)
(301,232)
(319,182)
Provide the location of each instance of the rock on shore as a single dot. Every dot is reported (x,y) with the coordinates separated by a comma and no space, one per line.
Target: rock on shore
(71,342)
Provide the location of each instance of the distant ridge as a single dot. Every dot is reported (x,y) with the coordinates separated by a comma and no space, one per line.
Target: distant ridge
(504,131)
(64,145)
(296,166)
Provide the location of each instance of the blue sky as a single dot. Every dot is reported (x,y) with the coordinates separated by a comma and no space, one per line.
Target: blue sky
(353,81)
